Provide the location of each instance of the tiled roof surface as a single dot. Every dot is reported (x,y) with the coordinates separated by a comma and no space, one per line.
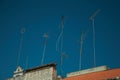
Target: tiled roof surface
(101,75)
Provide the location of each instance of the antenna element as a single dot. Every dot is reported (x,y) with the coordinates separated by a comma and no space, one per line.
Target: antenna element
(93,23)
(20,47)
(45,36)
(59,43)
(81,43)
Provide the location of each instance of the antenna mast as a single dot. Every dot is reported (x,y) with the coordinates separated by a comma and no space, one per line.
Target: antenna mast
(59,43)
(81,43)
(45,36)
(20,47)
(93,24)
(61,50)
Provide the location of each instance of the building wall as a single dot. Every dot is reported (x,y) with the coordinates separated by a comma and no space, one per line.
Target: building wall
(17,78)
(45,74)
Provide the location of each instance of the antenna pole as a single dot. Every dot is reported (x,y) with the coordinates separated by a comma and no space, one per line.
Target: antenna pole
(59,42)
(45,41)
(62,25)
(20,47)
(93,24)
(81,43)
(61,52)
(94,43)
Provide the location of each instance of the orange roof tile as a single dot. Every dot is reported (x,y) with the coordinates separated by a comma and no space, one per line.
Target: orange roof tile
(101,75)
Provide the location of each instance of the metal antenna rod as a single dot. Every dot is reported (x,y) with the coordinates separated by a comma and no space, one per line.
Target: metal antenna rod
(59,42)
(61,50)
(20,47)
(62,25)
(45,41)
(94,44)
(93,24)
(81,43)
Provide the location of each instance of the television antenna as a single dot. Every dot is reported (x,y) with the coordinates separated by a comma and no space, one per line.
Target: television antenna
(59,43)
(62,56)
(81,45)
(21,43)
(45,36)
(92,18)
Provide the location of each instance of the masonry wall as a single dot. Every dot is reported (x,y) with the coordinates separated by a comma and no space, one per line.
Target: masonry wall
(44,74)
(17,78)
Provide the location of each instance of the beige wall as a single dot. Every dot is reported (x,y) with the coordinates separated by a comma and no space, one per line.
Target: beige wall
(44,74)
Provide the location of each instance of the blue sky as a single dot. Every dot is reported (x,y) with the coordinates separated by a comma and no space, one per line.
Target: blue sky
(44,16)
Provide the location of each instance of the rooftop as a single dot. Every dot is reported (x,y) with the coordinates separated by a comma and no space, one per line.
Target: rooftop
(41,67)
